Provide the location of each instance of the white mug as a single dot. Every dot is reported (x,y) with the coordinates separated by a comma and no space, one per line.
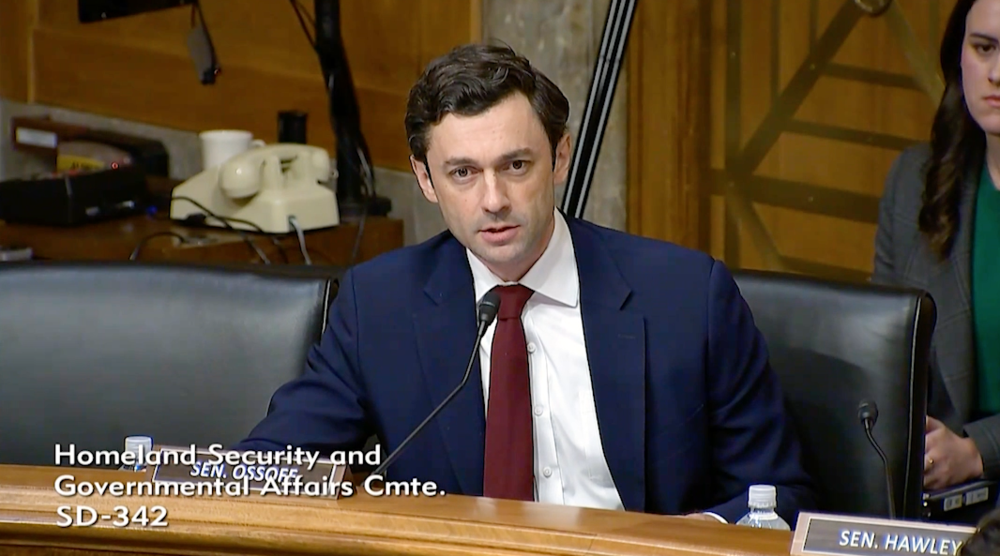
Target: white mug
(219,145)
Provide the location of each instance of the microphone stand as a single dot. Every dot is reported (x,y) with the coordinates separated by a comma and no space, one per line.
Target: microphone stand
(380,470)
(868,415)
(486,313)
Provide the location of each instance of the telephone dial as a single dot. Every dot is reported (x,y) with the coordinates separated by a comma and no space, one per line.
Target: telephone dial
(266,186)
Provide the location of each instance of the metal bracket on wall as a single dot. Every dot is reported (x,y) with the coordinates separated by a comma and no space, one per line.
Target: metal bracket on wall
(873,7)
(923,66)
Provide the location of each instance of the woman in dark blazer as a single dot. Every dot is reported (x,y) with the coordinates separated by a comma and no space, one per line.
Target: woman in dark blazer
(939,230)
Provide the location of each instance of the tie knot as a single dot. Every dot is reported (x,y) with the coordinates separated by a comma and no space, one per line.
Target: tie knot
(512,300)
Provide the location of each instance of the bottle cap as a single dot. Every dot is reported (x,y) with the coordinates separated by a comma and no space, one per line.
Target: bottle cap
(139,445)
(763,496)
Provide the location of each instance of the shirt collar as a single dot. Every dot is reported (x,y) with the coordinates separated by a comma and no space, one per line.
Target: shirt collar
(554,275)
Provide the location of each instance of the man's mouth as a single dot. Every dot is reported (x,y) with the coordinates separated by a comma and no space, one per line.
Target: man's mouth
(499,235)
(497,229)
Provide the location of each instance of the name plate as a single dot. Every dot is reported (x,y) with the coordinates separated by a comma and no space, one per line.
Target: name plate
(836,535)
(213,471)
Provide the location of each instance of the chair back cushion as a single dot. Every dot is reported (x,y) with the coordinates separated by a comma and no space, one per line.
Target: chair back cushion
(93,352)
(834,345)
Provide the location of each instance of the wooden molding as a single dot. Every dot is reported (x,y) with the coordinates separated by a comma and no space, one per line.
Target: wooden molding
(362,524)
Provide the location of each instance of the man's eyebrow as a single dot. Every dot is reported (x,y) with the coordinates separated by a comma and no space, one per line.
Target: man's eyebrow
(459,162)
(506,157)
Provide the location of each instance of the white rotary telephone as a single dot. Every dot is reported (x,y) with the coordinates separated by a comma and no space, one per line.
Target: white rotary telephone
(266,186)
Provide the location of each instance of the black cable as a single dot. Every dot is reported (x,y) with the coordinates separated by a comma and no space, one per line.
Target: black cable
(302,21)
(142,242)
(229,226)
(368,193)
(352,149)
(274,239)
(885,466)
(263,257)
(256,227)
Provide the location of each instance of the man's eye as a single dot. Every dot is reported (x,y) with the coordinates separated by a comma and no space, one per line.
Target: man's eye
(462,172)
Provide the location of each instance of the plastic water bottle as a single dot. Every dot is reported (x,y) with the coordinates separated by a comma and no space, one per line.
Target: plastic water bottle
(140,446)
(763,500)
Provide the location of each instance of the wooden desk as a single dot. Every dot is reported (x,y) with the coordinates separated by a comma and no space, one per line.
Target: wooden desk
(116,239)
(452,525)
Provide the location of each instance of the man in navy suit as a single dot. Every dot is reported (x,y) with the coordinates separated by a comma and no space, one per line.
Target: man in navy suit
(620,373)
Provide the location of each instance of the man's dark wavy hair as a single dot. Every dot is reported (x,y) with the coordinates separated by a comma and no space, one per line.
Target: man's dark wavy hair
(470,80)
(958,144)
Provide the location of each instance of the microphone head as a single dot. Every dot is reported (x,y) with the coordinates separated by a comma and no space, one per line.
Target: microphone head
(488,307)
(868,411)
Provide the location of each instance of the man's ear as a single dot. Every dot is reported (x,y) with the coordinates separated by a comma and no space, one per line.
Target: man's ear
(424,179)
(561,167)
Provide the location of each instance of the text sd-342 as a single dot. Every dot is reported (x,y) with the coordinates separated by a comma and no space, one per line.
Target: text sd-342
(119,516)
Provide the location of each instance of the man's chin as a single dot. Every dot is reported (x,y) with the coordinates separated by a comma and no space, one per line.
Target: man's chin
(498,256)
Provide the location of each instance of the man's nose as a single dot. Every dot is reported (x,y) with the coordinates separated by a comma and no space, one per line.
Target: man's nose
(495,199)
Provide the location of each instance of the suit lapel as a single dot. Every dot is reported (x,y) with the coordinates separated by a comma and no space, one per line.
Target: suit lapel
(952,283)
(446,332)
(616,349)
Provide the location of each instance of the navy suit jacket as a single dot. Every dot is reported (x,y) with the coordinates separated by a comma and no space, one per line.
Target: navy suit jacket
(690,412)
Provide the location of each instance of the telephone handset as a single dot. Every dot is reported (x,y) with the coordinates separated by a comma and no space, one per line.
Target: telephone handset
(263,167)
(265,185)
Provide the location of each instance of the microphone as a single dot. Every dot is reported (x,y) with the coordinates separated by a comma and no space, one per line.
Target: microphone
(868,415)
(486,313)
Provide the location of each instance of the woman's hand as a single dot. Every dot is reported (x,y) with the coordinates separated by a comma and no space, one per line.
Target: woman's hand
(949,459)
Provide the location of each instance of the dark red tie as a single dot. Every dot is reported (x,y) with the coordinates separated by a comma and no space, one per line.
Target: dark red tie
(508,470)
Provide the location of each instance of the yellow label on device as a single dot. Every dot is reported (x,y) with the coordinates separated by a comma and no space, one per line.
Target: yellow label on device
(75,162)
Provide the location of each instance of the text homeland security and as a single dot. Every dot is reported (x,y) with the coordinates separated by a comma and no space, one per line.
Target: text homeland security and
(214,454)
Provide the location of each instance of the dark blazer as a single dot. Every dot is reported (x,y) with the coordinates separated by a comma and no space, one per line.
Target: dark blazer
(903,257)
(690,412)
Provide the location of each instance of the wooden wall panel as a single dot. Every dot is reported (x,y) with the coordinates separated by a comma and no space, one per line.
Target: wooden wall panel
(435,17)
(668,118)
(138,68)
(878,109)
(15,49)
(809,103)
(823,175)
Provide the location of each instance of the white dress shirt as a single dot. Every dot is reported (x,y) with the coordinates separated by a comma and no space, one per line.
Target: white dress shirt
(570,467)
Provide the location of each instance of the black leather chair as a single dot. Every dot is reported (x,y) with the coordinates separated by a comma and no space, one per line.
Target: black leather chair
(834,345)
(93,352)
